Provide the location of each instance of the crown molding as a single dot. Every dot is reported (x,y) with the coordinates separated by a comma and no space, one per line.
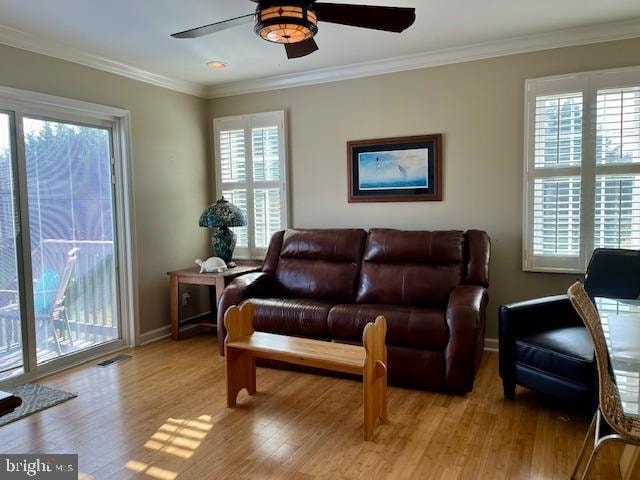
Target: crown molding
(38,44)
(511,46)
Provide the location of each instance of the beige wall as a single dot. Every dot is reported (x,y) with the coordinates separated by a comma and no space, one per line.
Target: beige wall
(171,168)
(478,106)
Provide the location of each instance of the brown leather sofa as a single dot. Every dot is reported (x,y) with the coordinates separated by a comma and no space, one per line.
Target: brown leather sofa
(327,284)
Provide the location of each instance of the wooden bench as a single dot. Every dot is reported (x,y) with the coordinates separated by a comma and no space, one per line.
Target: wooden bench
(243,345)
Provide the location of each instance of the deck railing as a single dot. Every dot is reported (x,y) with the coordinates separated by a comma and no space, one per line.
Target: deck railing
(90,301)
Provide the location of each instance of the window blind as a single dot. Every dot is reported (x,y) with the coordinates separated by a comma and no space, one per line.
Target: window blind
(618,126)
(232,156)
(582,168)
(266,154)
(556,215)
(250,173)
(238,197)
(617,196)
(558,130)
(267,214)
(617,211)
(556,198)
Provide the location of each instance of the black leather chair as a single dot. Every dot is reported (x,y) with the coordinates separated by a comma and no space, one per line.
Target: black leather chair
(544,345)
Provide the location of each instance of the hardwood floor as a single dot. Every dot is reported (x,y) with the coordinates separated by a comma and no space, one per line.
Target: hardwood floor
(162,415)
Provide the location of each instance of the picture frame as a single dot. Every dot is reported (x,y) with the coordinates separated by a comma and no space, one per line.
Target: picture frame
(400,169)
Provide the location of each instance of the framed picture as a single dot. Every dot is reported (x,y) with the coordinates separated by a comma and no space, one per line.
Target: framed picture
(403,169)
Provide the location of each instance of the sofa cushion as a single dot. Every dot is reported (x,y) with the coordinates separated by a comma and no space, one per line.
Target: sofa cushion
(320,264)
(406,246)
(336,245)
(566,352)
(408,284)
(296,317)
(413,268)
(406,326)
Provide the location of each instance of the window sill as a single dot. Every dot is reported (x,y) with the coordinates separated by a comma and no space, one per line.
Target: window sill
(565,271)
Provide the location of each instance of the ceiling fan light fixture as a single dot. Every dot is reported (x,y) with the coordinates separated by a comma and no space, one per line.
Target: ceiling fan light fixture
(216,64)
(286,23)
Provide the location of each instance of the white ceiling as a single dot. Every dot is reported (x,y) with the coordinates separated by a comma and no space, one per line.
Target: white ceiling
(136,32)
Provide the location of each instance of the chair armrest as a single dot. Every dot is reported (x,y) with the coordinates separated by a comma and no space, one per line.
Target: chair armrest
(529,317)
(251,285)
(533,316)
(466,314)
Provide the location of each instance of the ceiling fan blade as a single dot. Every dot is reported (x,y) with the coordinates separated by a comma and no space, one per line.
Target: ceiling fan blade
(214,27)
(390,19)
(301,49)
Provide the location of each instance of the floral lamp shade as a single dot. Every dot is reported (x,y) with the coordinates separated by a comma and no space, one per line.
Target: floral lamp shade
(220,216)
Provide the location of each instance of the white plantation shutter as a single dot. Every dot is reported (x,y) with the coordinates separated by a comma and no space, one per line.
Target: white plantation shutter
(617,186)
(617,216)
(266,153)
(238,197)
(233,165)
(266,193)
(556,214)
(251,174)
(618,126)
(267,214)
(582,168)
(553,183)
(558,130)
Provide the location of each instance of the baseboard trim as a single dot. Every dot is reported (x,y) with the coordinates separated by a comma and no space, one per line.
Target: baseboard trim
(154,335)
(164,332)
(491,344)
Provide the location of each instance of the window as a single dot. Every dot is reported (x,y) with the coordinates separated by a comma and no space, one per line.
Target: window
(65,244)
(582,168)
(251,174)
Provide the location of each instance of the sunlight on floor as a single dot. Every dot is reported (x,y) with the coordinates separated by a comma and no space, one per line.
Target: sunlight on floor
(179,437)
(150,470)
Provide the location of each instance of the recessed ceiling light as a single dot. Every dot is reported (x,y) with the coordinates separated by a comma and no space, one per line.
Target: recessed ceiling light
(216,64)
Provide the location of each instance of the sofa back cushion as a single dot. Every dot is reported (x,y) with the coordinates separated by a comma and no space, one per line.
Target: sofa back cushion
(320,264)
(411,267)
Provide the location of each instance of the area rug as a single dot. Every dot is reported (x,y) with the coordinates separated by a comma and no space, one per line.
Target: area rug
(35,398)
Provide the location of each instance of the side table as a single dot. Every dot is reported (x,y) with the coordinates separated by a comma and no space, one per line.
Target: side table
(194,277)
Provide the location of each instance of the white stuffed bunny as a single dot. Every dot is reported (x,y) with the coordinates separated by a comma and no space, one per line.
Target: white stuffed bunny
(212,264)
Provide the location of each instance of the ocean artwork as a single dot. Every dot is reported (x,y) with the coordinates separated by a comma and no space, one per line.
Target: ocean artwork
(393,170)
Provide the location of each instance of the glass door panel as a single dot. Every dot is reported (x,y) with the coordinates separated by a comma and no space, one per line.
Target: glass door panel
(11,356)
(71,221)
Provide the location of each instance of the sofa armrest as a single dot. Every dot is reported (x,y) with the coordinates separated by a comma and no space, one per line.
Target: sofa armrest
(254,285)
(466,314)
(527,318)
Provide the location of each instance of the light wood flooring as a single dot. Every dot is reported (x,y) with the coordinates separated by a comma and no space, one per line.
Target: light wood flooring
(162,415)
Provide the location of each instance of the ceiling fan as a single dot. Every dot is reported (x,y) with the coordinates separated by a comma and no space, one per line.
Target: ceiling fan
(293,23)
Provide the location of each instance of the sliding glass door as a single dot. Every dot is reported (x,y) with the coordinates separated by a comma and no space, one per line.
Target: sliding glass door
(11,354)
(71,229)
(59,287)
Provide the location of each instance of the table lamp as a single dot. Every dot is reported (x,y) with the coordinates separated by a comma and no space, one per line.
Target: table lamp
(220,216)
